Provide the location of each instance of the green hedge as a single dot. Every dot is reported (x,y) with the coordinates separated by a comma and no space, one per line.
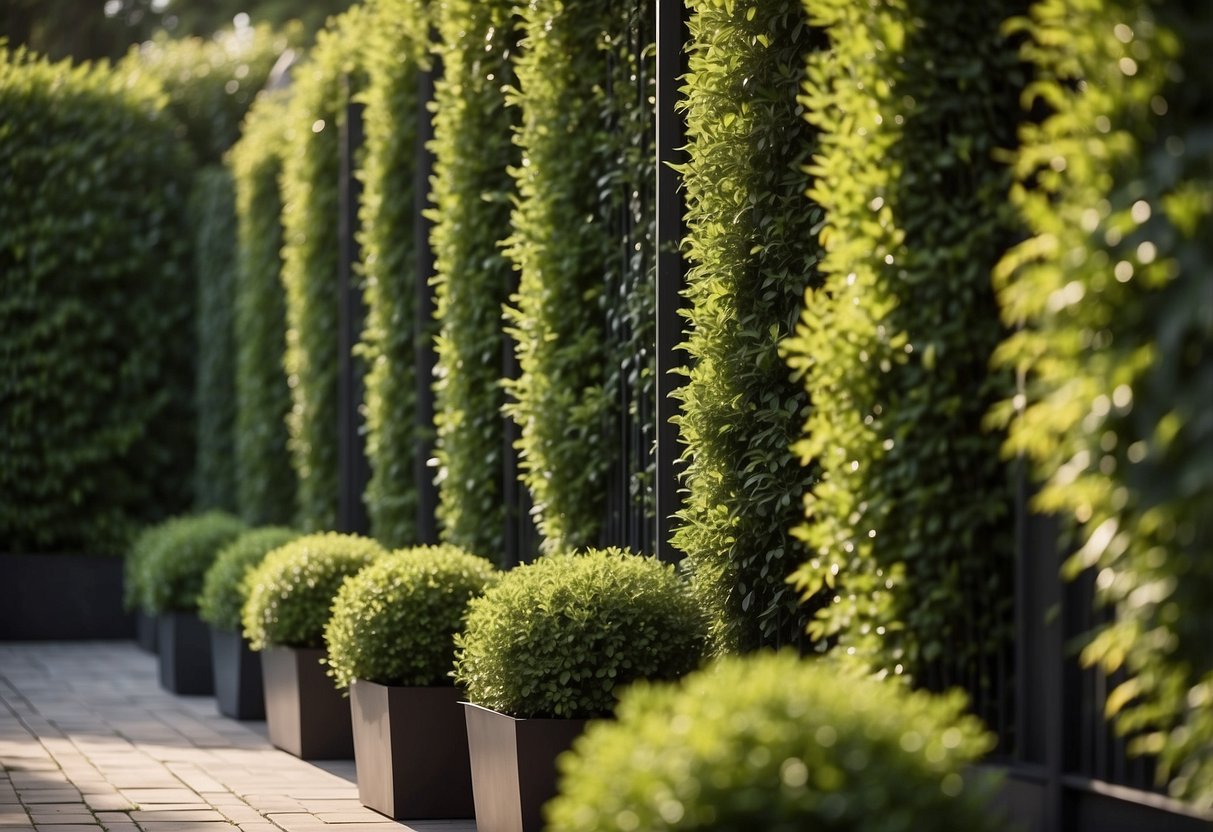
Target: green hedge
(211,83)
(310,253)
(471,189)
(751,241)
(95,308)
(394,55)
(910,526)
(213,219)
(573,171)
(1111,302)
(265,480)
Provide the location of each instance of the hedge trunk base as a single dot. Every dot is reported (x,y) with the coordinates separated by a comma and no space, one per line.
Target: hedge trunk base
(185,654)
(410,747)
(305,715)
(53,596)
(239,692)
(514,766)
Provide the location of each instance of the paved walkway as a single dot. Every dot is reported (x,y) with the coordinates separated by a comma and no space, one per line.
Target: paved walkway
(90,742)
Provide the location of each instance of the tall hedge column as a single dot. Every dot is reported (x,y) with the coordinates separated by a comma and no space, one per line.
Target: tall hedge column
(753,249)
(910,526)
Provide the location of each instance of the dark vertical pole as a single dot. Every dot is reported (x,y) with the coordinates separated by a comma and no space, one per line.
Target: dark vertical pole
(426,326)
(671,268)
(353,469)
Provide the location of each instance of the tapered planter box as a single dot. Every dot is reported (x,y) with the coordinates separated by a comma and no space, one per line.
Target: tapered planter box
(185,654)
(411,750)
(239,692)
(514,766)
(147,632)
(304,713)
(57,596)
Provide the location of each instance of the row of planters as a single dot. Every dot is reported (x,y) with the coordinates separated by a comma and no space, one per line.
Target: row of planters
(466,686)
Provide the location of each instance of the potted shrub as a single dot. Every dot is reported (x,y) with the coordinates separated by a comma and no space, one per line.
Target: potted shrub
(289,599)
(237,669)
(546,649)
(170,578)
(134,593)
(391,642)
(773,741)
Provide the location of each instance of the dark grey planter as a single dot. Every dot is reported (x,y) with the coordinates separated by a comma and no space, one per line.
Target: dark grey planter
(514,766)
(147,632)
(53,596)
(239,692)
(305,714)
(411,751)
(185,654)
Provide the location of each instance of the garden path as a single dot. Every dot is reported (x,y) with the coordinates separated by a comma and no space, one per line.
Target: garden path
(89,742)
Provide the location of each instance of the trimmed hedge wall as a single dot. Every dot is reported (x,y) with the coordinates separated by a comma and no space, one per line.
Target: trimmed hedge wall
(471,189)
(213,218)
(572,172)
(1111,302)
(752,247)
(265,481)
(310,254)
(95,308)
(395,43)
(910,526)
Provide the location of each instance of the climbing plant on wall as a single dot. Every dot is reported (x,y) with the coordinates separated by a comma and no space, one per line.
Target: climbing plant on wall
(910,527)
(265,481)
(473,151)
(753,251)
(1110,300)
(394,54)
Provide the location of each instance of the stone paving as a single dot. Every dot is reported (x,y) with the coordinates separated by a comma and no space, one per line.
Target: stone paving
(90,742)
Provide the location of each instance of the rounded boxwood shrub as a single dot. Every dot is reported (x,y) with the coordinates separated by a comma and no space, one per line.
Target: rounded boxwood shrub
(172,569)
(134,585)
(775,742)
(395,621)
(556,637)
(223,587)
(291,593)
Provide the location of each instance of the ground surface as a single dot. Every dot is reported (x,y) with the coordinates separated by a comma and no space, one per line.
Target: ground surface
(89,742)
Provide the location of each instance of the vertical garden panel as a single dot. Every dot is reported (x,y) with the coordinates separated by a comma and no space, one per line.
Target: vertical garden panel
(752,246)
(265,480)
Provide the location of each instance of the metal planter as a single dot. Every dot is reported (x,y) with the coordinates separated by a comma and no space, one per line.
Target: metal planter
(305,714)
(185,654)
(411,751)
(514,766)
(239,692)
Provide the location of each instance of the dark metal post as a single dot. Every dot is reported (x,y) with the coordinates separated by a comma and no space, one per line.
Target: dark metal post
(426,326)
(671,267)
(353,469)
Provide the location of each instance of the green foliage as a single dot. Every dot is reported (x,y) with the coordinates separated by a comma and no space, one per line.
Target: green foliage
(575,140)
(1110,301)
(95,304)
(310,177)
(171,564)
(780,744)
(142,548)
(557,637)
(211,82)
(395,621)
(265,481)
(752,246)
(223,588)
(471,189)
(213,218)
(910,526)
(290,594)
(394,54)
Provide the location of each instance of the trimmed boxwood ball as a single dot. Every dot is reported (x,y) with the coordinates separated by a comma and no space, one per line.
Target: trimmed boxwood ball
(223,587)
(172,569)
(134,584)
(556,637)
(395,621)
(778,743)
(290,594)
